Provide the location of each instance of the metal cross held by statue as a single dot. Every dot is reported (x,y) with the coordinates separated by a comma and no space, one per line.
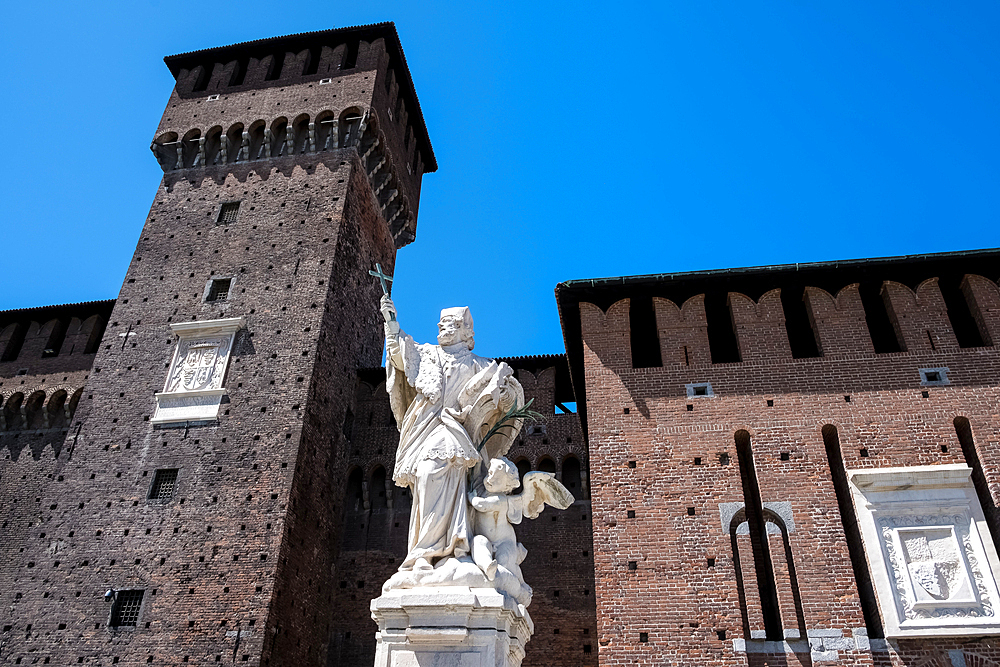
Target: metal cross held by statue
(382,278)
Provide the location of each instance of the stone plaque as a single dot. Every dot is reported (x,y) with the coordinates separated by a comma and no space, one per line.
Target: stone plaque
(932,557)
(194,388)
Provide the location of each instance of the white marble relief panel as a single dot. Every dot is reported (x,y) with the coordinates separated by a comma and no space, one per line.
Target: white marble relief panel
(932,557)
(194,389)
(199,364)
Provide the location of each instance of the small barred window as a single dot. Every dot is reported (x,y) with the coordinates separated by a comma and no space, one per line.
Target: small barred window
(125,611)
(219,290)
(228,213)
(163,485)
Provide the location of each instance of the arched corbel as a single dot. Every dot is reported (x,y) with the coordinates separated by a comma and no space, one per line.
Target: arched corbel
(268,140)
(223,149)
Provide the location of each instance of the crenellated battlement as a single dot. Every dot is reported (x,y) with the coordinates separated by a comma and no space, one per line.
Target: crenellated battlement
(297,100)
(46,355)
(327,135)
(933,303)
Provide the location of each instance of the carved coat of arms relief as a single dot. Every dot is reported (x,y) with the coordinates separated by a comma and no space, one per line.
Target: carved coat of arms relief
(935,572)
(194,386)
(200,364)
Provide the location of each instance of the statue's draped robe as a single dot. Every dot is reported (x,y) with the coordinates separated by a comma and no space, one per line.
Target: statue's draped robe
(435,451)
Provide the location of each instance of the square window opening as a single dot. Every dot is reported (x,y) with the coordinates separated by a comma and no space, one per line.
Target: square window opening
(228,213)
(125,610)
(699,389)
(218,289)
(934,377)
(164,483)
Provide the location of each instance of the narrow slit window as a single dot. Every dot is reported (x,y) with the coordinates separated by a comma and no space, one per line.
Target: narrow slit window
(164,483)
(763,565)
(852,532)
(125,610)
(963,429)
(219,289)
(228,213)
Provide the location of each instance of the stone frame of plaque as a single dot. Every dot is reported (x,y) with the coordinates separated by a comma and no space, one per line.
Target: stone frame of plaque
(928,546)
(195,384)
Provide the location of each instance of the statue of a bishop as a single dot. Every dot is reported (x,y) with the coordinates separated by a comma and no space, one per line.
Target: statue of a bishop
(445,399)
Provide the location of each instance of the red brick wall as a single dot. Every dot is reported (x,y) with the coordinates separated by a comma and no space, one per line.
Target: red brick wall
(685,457)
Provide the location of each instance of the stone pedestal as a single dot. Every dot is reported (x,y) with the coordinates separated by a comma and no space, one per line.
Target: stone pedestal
(451,626)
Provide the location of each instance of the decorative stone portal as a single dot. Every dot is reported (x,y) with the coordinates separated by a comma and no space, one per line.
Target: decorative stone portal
(449,626)
(193,391)
(928,545)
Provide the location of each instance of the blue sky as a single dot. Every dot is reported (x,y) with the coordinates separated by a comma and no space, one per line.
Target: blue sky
(575,140)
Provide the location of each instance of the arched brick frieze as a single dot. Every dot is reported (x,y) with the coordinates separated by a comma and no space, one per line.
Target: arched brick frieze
(351,125)
(74,402)
(57,407)
(326,130)
(274,138)
(34,414)
(214,146)
(237,142)
(301,141)
(164,147)
(191,149)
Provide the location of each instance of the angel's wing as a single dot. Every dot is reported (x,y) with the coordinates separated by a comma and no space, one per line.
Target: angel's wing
(541,489)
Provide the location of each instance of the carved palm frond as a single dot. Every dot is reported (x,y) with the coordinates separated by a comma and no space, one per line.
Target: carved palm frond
(509,420)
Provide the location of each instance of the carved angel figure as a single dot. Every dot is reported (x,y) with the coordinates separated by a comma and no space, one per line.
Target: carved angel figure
(495,548)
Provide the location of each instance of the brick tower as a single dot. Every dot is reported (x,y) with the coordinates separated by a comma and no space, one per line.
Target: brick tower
(192,512)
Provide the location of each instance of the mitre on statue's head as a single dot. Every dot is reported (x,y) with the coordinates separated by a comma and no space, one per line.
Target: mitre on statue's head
(463,312)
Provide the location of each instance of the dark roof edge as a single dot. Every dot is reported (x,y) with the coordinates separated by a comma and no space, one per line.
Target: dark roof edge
(78,304)
(538,357)
(392,40)
(846,263)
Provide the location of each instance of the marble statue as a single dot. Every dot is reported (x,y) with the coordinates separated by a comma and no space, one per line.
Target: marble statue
(459,598)
(445,399)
